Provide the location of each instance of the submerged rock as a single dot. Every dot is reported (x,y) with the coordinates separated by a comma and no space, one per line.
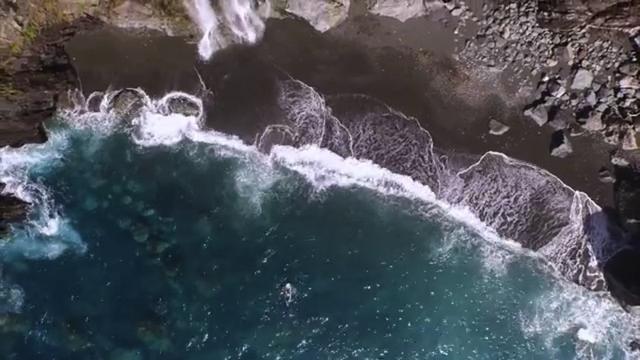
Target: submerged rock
(140,233)
(124,354)
(11,298)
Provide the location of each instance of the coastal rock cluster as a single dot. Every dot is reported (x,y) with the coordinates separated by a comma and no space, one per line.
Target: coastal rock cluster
(587,71)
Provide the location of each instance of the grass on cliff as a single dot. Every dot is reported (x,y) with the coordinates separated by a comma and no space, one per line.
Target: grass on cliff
(39,14)
(169,8)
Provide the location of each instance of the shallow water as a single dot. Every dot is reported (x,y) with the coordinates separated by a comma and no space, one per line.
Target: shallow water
(203,250)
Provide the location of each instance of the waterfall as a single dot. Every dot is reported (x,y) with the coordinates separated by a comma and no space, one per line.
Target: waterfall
(226,22)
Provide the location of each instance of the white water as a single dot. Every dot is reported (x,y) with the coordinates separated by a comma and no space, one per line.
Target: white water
(231,22)
(594,318)
(48,234)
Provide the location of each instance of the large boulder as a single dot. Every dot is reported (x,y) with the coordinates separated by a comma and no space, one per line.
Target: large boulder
(11,210)
(560,145)
(403,10)
(321,14)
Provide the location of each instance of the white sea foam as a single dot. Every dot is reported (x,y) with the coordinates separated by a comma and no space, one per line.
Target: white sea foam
(158,129)
(47,233)
(592,318)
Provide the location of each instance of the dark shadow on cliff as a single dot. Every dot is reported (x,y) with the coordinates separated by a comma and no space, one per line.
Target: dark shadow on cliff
(622,271)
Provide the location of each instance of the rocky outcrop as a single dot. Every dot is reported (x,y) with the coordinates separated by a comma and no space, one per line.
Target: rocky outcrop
(32,84)
(21,22)
(403,10)
(11,210)
(35,69)
(608,14)
(167,16)
(321,14)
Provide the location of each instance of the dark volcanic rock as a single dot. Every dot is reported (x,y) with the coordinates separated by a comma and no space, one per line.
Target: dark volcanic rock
(127,104)
(32,83)
(627,198)
(621,272)
(30,86)
(11,210)
(560,145)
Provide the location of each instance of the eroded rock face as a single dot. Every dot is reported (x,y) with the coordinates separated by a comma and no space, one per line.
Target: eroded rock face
(321,14)
(627,196)
(608,13)
(11,210)
(135,14)
(621,274)
(30,86)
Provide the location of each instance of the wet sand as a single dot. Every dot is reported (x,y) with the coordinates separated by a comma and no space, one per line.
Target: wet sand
(416,76)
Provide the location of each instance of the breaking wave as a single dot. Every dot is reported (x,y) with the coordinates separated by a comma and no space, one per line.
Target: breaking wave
(353,140)
(47,233)
(356,140)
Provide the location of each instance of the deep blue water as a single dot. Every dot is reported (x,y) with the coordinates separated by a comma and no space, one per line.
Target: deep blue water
(194,251)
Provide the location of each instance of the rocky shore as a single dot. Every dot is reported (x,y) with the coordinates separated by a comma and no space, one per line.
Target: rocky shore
(36,71)
(554,84)
(32,84)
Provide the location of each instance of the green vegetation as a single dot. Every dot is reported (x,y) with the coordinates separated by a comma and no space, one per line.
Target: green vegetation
(39,14)
(8,91)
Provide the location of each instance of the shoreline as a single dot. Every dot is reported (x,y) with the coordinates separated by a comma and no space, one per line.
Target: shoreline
(418,82)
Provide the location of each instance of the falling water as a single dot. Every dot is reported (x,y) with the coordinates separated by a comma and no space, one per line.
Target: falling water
(226,22)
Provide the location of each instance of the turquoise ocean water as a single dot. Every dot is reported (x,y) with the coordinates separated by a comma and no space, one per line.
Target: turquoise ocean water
(152,244)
